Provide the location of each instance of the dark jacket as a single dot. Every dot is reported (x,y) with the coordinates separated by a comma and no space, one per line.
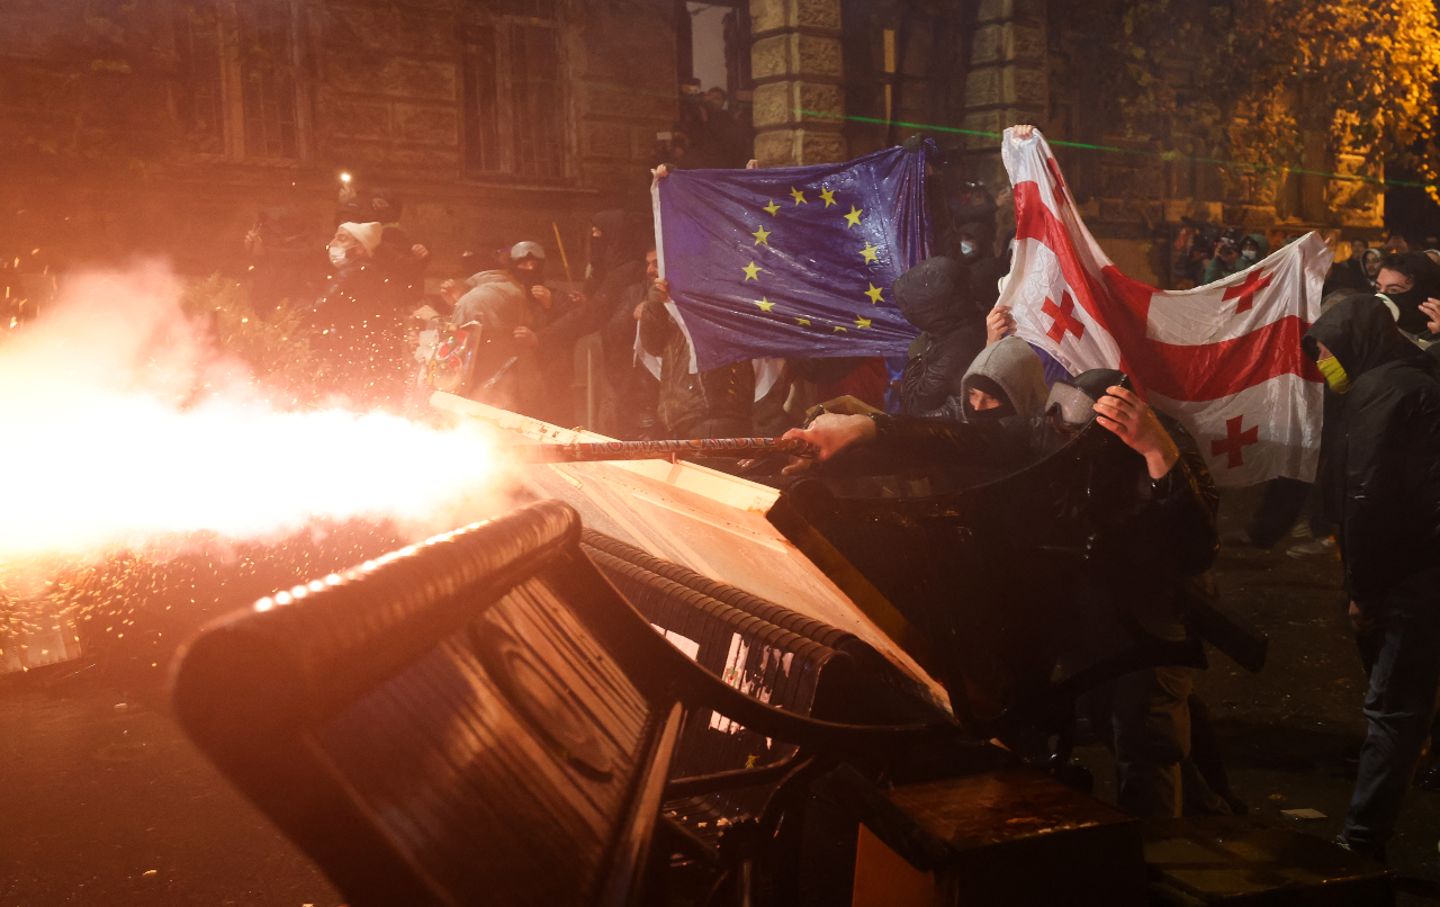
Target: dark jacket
(1385,467)
(503,372)
(932,296)
(983,268)
(694,405)
(1147,540)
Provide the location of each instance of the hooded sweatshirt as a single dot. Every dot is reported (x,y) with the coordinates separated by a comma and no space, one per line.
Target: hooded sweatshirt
(1010,367)
(933,297)
(1412,321)
(1383,469)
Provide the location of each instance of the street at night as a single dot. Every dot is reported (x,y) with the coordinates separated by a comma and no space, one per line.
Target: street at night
(759,453)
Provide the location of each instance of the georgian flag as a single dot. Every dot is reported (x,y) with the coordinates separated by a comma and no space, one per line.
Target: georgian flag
(1223,358)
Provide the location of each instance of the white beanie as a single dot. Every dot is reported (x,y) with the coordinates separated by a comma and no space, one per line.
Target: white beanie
(367,235)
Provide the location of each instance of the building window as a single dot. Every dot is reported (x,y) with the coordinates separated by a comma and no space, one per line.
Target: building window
(240,91)
(514,101)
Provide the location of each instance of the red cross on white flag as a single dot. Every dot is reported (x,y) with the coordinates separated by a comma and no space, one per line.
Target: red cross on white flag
(1223,358)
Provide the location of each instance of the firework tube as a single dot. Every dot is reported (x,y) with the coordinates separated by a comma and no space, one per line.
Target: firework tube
(715,448)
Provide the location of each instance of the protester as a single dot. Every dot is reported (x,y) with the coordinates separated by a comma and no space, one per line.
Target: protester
(634,391)
(401,260)
(1252,248)
(1407,280)
(503,365)
(357,330)
(548,335)
(1226,261)
(1165,502)
(711,404)
(1005,385)
(1388,481)
(283,265)
(983,267)
(1355,274)
(934,296)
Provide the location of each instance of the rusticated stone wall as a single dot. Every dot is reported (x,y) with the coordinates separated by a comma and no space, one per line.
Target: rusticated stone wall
(797,65)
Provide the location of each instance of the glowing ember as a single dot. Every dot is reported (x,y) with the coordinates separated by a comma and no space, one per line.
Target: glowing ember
(126,429)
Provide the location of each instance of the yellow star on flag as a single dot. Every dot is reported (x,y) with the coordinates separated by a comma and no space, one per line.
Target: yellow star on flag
(839,329)
(798,195)
(853,218)
(827,195)
(765,304)
(762,236)
(752,271)
(869,253)
(771,208)
(862,323)
(803,322)
(876,294)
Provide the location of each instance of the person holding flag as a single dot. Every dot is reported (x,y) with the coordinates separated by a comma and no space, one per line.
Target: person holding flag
(1167,507)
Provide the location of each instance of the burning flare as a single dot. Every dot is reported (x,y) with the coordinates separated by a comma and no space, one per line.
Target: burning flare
(125,428)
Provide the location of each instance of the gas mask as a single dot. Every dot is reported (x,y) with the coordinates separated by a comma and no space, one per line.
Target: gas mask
(1410,319)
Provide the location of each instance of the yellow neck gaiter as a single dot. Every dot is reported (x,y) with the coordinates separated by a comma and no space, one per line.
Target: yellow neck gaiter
(1334,374)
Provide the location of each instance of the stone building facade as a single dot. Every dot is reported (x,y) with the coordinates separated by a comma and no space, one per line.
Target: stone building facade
(838,78)
(164,126)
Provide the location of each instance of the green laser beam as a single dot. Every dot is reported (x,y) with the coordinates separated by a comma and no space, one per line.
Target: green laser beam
(1140,152)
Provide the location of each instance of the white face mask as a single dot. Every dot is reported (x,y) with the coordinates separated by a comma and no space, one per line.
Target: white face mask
(1249,255)
(337,254)
(967,247)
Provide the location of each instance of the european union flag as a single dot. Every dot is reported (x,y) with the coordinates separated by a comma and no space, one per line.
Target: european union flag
(793,261)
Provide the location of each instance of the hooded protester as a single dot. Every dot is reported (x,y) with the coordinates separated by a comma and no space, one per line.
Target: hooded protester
(1253,248)
(546,335)
(1158,535)
(1355,274)
(933,296)
(1407,280)
(617,253)
(1006,385)
(985,268)
(1384,473)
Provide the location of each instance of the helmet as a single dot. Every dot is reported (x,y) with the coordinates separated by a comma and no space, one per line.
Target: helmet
(527,249)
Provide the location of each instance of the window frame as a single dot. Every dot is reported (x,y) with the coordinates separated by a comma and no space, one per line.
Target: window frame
(503,26)
(234,138)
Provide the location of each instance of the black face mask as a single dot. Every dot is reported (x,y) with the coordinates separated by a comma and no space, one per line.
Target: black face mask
(530,279)
(981,416)
(1411,320)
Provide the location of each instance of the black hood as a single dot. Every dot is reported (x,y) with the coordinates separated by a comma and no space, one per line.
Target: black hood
(1361,333)
(1426,275)
(933,295)
(983,232)
(622,239)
